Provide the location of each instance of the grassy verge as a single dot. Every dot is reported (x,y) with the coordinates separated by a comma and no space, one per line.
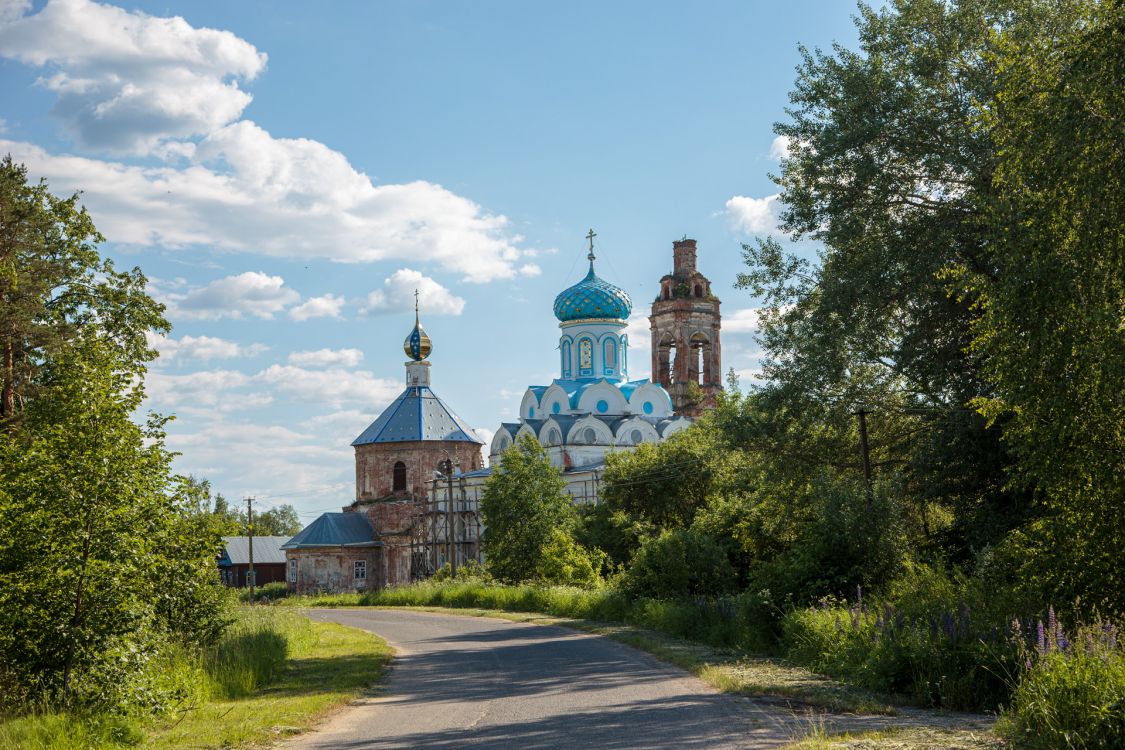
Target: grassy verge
(273,674)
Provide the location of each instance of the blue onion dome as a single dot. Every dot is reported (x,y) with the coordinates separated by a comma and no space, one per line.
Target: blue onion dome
(417,345)
(592,298)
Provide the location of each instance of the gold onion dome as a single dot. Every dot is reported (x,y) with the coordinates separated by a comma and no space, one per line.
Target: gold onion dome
(417,345)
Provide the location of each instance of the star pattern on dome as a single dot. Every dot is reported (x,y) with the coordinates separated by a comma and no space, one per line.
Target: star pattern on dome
(592,297)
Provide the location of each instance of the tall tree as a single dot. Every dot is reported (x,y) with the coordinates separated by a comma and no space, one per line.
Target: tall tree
(890,168)
(1051,330)
(55,290)
(524,505)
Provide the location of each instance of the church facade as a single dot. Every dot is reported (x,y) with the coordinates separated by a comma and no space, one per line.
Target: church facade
(419,469)
(380,539)
(593,408)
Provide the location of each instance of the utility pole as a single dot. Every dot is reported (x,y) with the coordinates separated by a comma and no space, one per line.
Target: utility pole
(449,519)
(862,414)
(250,537)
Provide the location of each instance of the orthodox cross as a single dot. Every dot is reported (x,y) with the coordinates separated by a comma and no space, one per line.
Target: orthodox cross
(590,236)
(415,305)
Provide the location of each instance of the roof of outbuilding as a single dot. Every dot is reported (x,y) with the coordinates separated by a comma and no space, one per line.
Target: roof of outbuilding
(267,549)
(335,530)
(417,414)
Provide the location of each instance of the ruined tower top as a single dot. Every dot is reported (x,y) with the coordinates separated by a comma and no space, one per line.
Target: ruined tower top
(683,252)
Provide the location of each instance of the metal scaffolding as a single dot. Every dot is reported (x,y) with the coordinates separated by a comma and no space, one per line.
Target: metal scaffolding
(445,529)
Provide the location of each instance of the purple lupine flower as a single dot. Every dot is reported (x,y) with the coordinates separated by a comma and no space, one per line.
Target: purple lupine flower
(1062,641)
(933,627)
(1027,664)
(1110,636)
(887,613)
(1040,638)
(859,593)
(1052,623)
(947,625)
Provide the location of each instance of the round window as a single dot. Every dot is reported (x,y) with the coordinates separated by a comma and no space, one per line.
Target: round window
(589,435)
(636,437)
(603,406)
(647,407)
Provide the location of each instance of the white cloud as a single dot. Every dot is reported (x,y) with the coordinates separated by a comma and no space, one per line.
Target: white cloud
(202,347)
(486,436)
(132,83)
(327,358)
(281,197)
(779,149)
(640,345)
(753,215)
(250,293)
(327,306)
(746,320)
(125,80)
(397,295)
(203,388)
(334,387)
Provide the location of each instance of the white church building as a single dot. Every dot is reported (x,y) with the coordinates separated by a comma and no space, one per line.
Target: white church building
(592,408)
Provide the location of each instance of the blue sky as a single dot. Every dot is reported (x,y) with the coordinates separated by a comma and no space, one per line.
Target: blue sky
(288,173)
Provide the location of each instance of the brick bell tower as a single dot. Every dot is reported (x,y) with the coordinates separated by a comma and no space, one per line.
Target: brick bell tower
(686,357)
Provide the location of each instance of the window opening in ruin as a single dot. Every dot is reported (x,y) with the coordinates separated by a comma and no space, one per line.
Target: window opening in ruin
(292,571)
(399,477)
(698,290)
(361,570)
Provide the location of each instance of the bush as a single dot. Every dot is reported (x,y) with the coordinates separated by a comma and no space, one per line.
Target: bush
(270,592)
(942,659)
(1072,696)
(679,563)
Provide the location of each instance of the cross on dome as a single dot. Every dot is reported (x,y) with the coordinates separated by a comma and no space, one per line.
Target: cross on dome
(590,236)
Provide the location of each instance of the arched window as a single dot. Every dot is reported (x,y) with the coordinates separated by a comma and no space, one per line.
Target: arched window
(624,355)
(585,357)
(445,466)
(636,437)
(698,290)
(553,437)
(667,291)
(589,436)
(399,477)
(566,362)
(609,356)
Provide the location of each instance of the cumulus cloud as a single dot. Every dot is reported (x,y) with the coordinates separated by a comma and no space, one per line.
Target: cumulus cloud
(327,358)
(746,320)
(202,347)
(282,197)
(131,83)
(333,387)
(397,295)
(251,293)
(640,345)
(779,149)
(753,215)
(125,81)
(327,306)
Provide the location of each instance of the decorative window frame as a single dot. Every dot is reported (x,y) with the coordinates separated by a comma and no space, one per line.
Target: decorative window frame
(609,355)
(585,341)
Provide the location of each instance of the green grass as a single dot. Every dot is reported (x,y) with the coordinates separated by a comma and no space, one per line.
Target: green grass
(274,673)
(1071,700)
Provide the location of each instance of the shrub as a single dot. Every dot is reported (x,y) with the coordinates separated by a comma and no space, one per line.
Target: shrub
(943,659)
(679,563)
(1073,694)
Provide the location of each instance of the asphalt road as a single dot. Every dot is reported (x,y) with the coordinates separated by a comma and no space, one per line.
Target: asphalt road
(471,682)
